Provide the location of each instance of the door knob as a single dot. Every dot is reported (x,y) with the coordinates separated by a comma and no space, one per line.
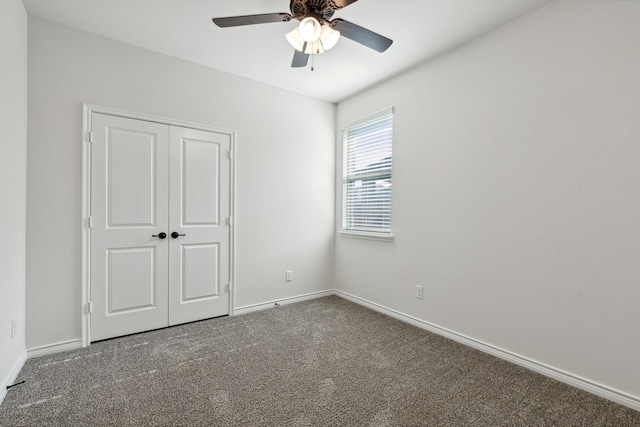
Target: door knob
(175,234)
(161,235)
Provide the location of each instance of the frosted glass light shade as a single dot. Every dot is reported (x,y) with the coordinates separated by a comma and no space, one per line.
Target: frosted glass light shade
(310,29)
(295,39)
(329,37)
(314,48)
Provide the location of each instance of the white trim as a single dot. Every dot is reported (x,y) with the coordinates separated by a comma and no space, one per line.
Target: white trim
(54,348)
(13,374)
(232,225)
(609,393)
(87,111)
(366,235)
(284,301)
(85,274)
(91,108)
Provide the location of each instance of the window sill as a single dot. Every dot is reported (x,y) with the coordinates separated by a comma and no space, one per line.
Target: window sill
(367,236)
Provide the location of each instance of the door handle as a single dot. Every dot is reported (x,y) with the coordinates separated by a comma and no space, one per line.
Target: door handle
(161,235)
(175,234)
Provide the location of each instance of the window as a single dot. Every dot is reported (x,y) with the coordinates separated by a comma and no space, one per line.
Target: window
(366,185)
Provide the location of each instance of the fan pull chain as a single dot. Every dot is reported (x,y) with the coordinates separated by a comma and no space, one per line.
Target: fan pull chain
(316,53)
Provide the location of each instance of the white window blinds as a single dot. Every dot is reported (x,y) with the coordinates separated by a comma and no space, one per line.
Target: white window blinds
(366,192)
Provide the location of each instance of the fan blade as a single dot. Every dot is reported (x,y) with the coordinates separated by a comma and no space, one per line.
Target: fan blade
(236,21)
(300,59)
(339,4)
(361,35)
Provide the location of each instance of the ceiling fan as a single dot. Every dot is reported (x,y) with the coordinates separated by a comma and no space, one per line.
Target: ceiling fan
(317,32)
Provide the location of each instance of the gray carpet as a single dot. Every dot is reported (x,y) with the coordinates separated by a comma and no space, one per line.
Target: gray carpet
(325,362)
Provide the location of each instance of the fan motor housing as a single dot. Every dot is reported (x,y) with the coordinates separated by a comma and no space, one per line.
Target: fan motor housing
(323,8)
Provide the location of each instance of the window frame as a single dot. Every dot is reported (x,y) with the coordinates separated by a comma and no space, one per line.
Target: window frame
(351,176)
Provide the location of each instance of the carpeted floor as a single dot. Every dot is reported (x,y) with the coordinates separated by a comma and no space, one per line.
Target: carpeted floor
(326,362)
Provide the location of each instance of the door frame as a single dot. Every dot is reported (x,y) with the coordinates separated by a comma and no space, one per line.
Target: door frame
(87,111)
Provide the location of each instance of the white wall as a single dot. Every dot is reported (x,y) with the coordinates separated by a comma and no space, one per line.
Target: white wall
(285,174)
(13,185)
(516,197)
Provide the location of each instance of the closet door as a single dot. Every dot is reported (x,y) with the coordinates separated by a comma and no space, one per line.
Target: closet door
(129,210)
(199,225)
(160,234)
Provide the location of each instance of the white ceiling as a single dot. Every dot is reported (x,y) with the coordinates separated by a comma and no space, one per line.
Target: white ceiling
(421,30)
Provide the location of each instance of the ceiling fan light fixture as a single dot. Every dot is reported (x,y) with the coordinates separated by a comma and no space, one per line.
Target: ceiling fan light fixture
(329,37)
(295,39)
(314,48)
(316,32)
(310,29)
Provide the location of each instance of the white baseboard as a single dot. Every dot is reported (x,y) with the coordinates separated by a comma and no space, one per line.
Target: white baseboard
(76,344)
(270,304)
(617,396)
(54,348)
(13,374)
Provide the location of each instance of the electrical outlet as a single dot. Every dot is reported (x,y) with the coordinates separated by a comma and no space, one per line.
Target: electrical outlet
(13,328)
(419,292)
(289,275)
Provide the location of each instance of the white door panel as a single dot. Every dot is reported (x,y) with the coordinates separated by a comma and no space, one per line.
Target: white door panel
(199,191)
(200,273)
(130,280)
(131,178)
(200,182)
(129,204)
